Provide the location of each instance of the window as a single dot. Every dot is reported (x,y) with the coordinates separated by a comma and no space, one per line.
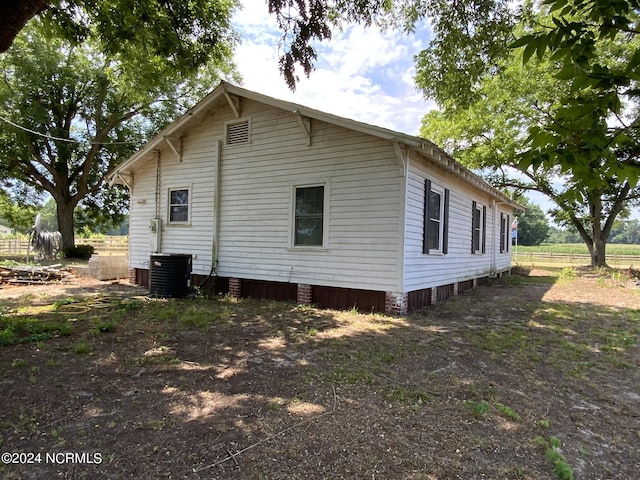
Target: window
(478,228)
(179,205)
(309,216)
(237,133)
(436,216)
(435,202)
(505,234)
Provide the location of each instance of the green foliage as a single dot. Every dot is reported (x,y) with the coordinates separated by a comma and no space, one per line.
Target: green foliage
(79,251)
(469,31)
(151,39)
(627,232)
(595,48)
(7,337)
(16,214)
(533,226)
(524,131)
(478,407)
(579,248)
(76,112)
(28,330)
(553,452)
(81,347)
(568,272)
(508,412)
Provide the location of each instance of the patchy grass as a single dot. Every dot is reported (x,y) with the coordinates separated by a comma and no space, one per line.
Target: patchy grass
(527,377)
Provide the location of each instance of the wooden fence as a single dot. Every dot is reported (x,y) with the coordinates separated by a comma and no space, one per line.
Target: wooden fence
(103,246)
(559,259)
(118,246)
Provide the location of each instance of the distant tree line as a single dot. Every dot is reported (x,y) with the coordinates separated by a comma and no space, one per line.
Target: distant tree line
(534,228)
(623,231)
(20,218)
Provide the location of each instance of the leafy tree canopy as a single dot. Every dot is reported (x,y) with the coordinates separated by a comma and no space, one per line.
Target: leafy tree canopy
(533,226)
(71,113)
(172,34)
(16,215)
(515,109)
(479,30)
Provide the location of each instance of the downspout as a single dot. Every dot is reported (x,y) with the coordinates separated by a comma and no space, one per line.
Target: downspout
(216,216)
(494,242)
(216,207)
(158,221)
(157,204)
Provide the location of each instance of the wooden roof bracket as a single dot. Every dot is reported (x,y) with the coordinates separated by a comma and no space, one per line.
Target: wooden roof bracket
(305,124)
(177,148)
(402,155)
(126,179)
(234,103)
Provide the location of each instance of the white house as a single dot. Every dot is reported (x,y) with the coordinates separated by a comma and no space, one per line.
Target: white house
(283,201)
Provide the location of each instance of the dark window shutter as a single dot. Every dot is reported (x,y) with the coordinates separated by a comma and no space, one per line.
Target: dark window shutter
(507,233)
(484,229)
(425,232)
(502,228)
(473,225)
(445,223)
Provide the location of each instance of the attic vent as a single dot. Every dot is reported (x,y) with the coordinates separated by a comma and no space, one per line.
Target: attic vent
(238,133)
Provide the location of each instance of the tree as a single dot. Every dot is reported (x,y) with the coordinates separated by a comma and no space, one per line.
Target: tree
(71,114)
(533,226)
(595,46)
(491,132)
(15,14)
(479,30)
(16,215)
(184,33)
(558,235)
(627,232)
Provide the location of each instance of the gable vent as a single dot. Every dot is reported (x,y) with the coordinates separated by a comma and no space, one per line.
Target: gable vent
(238,133)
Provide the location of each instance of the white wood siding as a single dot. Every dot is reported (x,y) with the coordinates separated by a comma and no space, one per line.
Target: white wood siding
(256,195)
(196,172)
(374,215)
(459,264)
(141,210)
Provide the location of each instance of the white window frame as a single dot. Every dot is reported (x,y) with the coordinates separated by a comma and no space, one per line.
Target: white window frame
(325,216)
(480,210)
(505,232)
(435,188)
(169,204)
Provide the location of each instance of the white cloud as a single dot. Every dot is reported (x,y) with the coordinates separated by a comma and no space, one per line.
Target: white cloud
(361,73)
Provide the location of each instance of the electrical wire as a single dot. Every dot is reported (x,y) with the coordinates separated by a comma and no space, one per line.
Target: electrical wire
(60,139)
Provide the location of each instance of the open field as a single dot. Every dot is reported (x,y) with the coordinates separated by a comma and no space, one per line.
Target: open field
(574,254)
(528,377)
(580,248)
(551,254)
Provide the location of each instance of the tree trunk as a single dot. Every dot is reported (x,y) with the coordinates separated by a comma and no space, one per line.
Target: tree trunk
(64,213)
(15,15)
(598,235)
(597,249)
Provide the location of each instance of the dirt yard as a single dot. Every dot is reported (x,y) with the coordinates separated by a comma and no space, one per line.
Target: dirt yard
(533,377)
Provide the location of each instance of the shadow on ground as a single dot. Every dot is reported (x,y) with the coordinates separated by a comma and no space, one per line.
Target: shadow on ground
(474,387)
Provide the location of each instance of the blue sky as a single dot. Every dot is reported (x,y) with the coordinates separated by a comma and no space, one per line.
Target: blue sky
(362,73)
